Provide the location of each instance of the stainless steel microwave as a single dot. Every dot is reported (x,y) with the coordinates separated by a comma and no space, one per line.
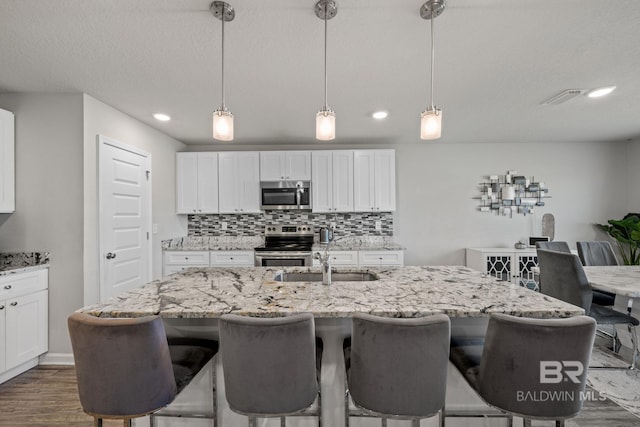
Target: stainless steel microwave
(285,195)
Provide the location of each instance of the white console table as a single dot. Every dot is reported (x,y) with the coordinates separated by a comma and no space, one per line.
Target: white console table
(511,265)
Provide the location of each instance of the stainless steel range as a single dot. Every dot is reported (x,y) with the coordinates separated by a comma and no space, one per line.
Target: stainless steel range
(286,245)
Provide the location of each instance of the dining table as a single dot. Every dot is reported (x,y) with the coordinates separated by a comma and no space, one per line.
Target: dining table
(622,280)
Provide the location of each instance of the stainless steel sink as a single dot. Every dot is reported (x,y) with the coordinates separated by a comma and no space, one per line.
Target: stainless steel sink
(317,277)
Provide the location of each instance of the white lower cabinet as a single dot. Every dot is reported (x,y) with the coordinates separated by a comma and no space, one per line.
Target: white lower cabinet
(380,258)
(232,259)
(364,258)
(341,258)
(24,317)
(175,261)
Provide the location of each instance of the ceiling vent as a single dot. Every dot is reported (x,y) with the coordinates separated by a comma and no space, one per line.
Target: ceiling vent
(564,96)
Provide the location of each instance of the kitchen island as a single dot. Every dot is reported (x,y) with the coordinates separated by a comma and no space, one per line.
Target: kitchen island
(191,301)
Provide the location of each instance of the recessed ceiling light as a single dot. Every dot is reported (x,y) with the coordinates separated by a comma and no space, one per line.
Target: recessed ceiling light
(601,91)
(161,117)
(379,115)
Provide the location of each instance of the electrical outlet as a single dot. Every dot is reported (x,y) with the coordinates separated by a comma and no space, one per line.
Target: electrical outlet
(378,225)
(223,225)
(332,224)
(155,228)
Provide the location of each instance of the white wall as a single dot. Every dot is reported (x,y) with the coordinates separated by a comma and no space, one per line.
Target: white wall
(48,214)
(437,216)
(101,119)
(633,176)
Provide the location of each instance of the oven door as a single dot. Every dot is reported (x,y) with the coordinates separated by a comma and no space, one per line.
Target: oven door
(284,259)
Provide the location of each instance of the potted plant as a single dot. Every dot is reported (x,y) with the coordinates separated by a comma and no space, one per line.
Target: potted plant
(626,232)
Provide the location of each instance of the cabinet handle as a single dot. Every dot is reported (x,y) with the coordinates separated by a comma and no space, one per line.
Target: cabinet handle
(287,177)
(7,287)
(194,210)
(282,177)
(13,304)
(231,258)
(110,255)
(186,258)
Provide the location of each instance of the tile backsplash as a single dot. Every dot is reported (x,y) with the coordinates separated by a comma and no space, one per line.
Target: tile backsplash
(347,224)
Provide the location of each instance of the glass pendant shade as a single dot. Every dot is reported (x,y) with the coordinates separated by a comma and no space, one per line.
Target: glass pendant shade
(325,125)
(431,123)
(222,125)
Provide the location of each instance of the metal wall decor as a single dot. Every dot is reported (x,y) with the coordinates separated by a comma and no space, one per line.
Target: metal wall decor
(511,194)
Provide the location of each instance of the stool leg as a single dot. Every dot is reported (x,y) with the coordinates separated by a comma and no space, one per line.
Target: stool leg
(346,408)
(126,422)
(415,423)
(383,421)
(634,344)
(215,392)
(559,423)
(283,422)
(97,422)
(252,421)
(526,422)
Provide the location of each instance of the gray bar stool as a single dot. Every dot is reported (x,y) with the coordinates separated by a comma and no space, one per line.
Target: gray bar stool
(598,253)
(397,368)
(271,366)
(127,369)
(522,361)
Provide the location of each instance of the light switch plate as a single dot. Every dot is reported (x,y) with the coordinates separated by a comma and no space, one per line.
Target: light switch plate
(378,225)
(155,228)
(223,225)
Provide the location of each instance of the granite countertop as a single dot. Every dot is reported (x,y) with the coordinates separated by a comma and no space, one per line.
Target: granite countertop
(411,291)
(19,262)
(247,243)
(213,243)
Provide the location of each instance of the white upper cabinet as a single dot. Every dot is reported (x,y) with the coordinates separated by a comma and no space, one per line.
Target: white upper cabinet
(197,183)
(285,165)
(7,162)
(239,186)
(332,181)
(374,180)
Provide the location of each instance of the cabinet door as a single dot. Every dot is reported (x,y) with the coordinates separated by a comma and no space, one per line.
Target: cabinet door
(376,258)
(322,181)
(525,276)
(342,184)
(228,185)
(26,328)
(232,259)
(272,166)
(248,178)
(385,180)
(363,181)
(207,182)
(186,183)
(298,165)
(3,337)
(7,162)
(500,265)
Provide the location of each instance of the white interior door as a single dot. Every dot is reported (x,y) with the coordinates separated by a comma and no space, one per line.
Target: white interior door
(124,217)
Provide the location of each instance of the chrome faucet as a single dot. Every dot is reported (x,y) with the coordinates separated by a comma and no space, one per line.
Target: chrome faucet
(325,262)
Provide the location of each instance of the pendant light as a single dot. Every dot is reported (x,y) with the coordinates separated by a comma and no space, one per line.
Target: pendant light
(222,118)
(325,118)
(431,117)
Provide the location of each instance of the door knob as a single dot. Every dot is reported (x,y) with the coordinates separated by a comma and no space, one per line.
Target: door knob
(111,255)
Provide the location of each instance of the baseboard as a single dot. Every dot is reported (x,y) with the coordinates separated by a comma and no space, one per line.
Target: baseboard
(56,359)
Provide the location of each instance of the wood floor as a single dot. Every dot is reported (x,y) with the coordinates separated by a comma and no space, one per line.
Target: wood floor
(48,396)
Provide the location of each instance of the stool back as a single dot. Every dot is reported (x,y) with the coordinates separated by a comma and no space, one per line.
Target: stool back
(536,367)
(596,253)
(562,277)
(399,366)
(123,366)
(269,364)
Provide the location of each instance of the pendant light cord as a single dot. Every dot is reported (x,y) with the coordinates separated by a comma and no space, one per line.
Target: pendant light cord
(326,107)
(222,73)
(433,56)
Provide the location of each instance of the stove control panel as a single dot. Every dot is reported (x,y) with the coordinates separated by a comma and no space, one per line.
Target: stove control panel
(289,230)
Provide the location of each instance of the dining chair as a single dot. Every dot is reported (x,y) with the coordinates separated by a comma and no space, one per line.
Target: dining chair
(598,253)
(126,368)
(564,278)
(521,359)
(271,366)
(397,367)
(556,245)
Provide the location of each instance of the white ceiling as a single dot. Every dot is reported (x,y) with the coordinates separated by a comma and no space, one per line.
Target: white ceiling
(496,62)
